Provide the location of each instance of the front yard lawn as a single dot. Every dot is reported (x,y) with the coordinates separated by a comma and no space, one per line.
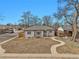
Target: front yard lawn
(70,47)
(31,45)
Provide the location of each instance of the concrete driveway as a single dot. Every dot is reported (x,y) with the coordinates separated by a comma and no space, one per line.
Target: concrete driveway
(6,36)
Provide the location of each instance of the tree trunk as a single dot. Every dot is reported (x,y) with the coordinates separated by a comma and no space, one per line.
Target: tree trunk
(74,28)
(74,34)
(28,21)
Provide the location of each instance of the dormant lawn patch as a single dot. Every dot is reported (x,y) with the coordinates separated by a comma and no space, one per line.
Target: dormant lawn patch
(31,45)
(70,47)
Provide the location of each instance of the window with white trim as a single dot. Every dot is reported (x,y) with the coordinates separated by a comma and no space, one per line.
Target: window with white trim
(29,32)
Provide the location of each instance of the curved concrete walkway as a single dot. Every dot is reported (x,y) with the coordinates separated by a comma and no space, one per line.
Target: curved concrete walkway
(56,54)
(3,50)
(53,48)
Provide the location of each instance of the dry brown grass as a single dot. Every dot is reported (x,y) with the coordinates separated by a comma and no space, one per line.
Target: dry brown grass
(32,45)
(70,47)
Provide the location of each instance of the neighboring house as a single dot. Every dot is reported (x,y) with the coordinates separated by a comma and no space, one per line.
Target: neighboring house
(2,29)
(68,30)
(39,31)
(64,31)
(60,31)
(8,29)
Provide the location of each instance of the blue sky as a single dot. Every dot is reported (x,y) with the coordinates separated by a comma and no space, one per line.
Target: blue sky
(12,9)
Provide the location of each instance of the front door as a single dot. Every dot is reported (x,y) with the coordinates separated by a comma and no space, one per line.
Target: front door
(45,33)
(38,34)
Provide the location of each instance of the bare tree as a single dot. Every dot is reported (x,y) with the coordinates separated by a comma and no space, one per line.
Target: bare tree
(26,18)
(57,16)
(47,20)
(35,20)
(71,7)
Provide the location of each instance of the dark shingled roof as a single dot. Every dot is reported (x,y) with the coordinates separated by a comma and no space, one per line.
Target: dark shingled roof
(32,28)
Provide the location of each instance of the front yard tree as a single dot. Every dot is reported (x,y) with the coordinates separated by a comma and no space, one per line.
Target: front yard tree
(47,20)
(35,20)
(26,18)
(57,16)
(72,8)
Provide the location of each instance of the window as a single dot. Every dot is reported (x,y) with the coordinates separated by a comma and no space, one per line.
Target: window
(38,33)
(29,32)
(50,31)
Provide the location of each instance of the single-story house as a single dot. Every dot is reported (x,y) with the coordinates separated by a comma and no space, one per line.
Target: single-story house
(39,31)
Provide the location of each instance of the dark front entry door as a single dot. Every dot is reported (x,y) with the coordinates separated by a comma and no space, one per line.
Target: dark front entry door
(37,33)
(45,33)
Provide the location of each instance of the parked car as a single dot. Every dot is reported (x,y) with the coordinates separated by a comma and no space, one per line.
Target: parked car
(10,31)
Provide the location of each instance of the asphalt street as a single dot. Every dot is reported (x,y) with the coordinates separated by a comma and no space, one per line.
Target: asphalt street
(6,36)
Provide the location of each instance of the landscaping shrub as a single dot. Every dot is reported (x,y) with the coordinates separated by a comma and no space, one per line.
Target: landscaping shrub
(21,34)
